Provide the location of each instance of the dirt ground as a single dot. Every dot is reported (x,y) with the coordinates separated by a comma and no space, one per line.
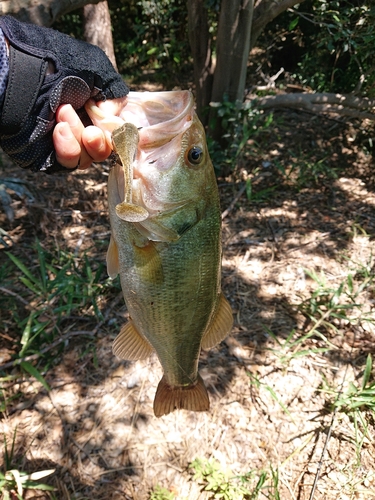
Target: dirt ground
(96,426)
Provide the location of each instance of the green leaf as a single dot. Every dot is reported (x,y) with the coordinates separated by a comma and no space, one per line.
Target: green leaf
(367,373)
(42,263)
(21,266)
(29,368)
(293,24)
(152,51)
(38,486)
(26,335)
(30,285)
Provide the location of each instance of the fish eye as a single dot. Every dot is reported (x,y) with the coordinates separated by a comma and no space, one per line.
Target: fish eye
(195,155)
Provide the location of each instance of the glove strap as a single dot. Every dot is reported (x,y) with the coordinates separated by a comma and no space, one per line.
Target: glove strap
(26,75)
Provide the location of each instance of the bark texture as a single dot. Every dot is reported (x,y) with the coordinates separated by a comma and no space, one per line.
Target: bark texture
(97,28)
(233,46)
(200,43)
(43,13)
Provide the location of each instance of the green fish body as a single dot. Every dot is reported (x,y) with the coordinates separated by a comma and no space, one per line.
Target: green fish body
(166,244)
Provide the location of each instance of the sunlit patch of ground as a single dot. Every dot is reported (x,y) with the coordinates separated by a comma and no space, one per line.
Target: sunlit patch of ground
(269,399)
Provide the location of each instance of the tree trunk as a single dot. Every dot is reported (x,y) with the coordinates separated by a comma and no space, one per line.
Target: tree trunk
(43,13)
(97,28)
(232,48)
(200,44)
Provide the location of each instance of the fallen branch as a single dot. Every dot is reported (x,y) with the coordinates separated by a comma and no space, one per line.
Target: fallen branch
(341,104)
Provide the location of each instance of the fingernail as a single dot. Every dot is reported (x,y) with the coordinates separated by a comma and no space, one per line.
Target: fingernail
(93,141)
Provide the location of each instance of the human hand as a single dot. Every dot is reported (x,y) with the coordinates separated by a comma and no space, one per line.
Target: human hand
(78,145)
(47,70)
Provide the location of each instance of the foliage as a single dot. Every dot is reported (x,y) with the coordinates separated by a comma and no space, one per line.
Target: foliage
(58,287)
(329,44)
(223,485)
(160,493)
(329,305)
(358,402)
(323,44)
(240,123)
(14,482)
(148,35)
(362,397)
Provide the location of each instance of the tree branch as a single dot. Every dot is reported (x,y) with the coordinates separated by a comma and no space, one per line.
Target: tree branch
(265,11)
(42,13)
(341,104)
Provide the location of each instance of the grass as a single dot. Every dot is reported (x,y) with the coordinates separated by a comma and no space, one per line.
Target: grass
(358,402)
(14,482)
(160,493)
(222,484)
(56,288)
(45,300)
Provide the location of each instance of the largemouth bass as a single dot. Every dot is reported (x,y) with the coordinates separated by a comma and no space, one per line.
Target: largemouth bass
(166,241)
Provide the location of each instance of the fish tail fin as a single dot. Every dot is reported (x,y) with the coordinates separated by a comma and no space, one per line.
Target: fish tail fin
(192,397)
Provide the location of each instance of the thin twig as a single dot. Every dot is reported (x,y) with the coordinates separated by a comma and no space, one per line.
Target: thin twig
(32,357)
(14,294)
(234,201)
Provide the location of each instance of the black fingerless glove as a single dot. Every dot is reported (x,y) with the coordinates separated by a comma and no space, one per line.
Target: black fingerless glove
(82,71)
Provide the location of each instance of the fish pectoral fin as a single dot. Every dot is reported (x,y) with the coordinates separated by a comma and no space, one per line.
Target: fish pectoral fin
(112,259)
(155,230)
(130,345)
(220,325)
(193,397)
(169,225)
(130,212)
(148,263)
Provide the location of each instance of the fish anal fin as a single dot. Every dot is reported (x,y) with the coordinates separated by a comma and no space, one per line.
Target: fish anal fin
(112,259)
(130,345)
(131,213)
(192,397)
(220,325)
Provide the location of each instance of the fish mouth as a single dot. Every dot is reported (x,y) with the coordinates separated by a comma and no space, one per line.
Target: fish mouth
(159,116)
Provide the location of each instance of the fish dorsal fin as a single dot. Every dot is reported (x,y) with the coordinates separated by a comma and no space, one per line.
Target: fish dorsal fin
(129,344)
(220,325)
(112,259)
(193,397)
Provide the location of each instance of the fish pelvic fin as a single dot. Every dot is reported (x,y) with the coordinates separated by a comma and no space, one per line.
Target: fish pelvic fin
(192,397)
(220,325)
(112,259)
(130,345)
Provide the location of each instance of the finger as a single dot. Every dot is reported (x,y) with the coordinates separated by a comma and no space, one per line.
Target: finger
(95,144)
(113,106)
(67,148)
(66,113)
